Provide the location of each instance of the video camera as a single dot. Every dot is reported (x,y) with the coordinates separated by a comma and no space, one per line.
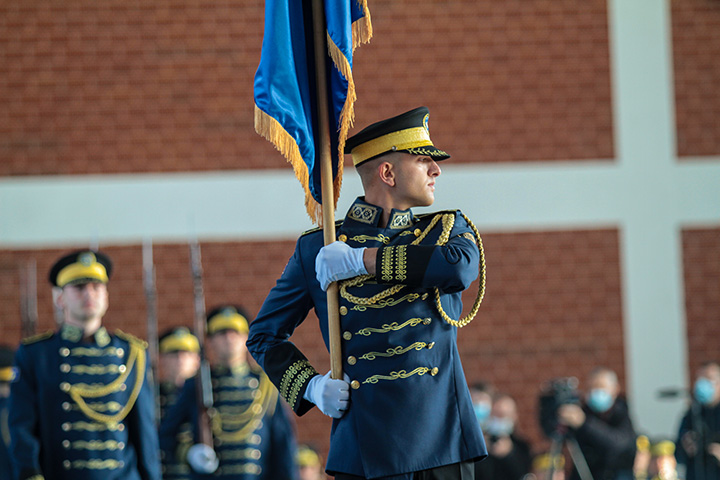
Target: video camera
(555,393)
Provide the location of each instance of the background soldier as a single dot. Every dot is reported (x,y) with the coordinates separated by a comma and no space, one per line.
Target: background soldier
(179,360)
(251,432)
(82,406)
(7,373)
(405,410)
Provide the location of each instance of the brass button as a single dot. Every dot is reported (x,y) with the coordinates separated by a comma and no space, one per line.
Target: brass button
(355,384)
(430,345)
(65,427)
(427,321)
(65,367)
(64,352)
(65,386)
(67,464)
(253,383)
(121,445)
(257,408)
(347,335)
(352,360)
(123,387)
(255,454)
(255,439)
(121,464)
(342,237)
(434,371)
(66,406)
(417,232)
(120,352)
(121,427)
(343,310)
(66,444)
(122,368)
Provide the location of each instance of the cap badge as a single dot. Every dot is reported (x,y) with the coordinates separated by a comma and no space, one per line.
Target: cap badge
(86,259)
(425,122)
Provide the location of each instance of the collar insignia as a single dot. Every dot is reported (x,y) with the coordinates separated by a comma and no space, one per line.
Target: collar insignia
(364,213)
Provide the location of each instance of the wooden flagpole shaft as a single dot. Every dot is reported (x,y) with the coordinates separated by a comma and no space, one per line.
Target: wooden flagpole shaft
(328,194)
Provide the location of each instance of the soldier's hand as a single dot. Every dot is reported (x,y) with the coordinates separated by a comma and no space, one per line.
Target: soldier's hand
(332,397)
(338,261)
(202,458)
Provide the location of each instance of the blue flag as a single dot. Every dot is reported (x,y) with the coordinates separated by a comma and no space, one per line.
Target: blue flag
(285,103)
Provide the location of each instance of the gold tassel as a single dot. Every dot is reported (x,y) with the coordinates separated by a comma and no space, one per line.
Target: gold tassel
(271,130)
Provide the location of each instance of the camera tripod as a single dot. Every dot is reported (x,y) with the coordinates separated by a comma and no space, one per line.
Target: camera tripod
(561,438)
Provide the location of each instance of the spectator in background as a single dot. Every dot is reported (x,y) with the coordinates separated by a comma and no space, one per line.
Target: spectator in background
(7,373)
(508,455)
(699,436)
(602,428)
(481,394)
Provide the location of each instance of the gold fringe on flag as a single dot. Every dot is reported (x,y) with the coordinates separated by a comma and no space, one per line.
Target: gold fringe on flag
(271,130)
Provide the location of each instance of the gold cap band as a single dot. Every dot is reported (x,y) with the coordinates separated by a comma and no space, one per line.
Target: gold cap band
(227,321)
(7,374)
(179,343)
(394,141)
(78,271)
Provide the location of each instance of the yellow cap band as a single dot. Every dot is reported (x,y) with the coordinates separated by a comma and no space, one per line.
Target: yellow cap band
(224,321)
(7,374)
(662,449)
(76,271)
(401,140)
(543,462)
(179,343)
(307,458)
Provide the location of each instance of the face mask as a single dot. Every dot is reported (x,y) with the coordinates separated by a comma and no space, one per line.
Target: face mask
(600,400)
(499,427)
(482,412)
(704,391)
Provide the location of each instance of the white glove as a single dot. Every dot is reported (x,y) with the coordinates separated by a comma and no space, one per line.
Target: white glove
(338,261)
(202,458)
(331,396)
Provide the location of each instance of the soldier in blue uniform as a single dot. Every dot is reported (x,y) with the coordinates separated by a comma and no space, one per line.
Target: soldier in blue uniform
(252,434)
(82,405)
(179,360)
(7,373)
(403,410)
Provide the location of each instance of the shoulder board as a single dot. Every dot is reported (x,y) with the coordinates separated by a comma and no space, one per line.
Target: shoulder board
(422,216)
(131,338)
(338,223)
(37,338)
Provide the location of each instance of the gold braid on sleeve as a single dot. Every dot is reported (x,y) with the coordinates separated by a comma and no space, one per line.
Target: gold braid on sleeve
(448,221)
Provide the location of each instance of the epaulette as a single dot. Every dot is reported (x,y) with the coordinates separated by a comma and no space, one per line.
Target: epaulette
(338,223)
(37,338)
(131,338)
(420,216)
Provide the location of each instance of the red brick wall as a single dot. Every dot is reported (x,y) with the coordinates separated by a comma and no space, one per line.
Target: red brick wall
(701,262)
(552,308)
(696,48)
(115,87)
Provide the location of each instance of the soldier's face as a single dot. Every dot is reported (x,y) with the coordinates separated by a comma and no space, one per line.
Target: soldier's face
(228,347)
(84,301)
(414,181)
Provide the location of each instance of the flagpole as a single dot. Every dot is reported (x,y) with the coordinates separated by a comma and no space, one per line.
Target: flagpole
(326,176)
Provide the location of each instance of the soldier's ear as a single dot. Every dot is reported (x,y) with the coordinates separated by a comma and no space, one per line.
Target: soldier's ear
(386,172)
(57,297)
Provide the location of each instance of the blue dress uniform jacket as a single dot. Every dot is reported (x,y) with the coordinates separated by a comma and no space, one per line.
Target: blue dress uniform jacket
(252,433)
(410,408)
(83,410)
(171,468)
(5,464)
